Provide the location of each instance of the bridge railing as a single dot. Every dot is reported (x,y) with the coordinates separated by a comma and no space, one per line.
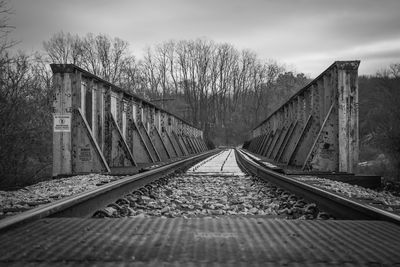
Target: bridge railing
(317,128)
(98,126)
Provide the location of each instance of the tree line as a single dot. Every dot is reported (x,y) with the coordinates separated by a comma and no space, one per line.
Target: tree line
(215,86)
(379,102)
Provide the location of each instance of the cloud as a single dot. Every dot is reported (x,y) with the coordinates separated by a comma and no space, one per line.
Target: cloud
(304,33)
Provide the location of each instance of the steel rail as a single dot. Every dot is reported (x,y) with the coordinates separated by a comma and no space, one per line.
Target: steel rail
(86,203)
(273,168)
(340,207)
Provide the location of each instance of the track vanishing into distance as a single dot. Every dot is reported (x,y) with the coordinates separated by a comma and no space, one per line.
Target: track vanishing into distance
(205,209)
(213,187)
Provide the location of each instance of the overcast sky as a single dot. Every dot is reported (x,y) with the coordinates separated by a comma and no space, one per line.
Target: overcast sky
(307,35)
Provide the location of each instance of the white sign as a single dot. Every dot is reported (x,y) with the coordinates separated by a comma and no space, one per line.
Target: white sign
(62,123)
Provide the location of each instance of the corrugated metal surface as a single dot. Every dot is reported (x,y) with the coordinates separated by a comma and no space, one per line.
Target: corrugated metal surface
(230,241)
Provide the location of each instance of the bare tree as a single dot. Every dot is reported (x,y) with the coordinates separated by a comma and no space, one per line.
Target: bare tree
(151,73)
(25,118)
(212,84)
(64,48)
(5,26)
(161,57)
(222,87)
(100,54)
(395,69)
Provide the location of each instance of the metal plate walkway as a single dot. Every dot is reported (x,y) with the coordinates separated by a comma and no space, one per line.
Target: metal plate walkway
(226,241)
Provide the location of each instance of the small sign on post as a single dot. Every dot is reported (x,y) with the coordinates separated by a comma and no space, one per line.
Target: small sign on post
(62,123)
(85,154)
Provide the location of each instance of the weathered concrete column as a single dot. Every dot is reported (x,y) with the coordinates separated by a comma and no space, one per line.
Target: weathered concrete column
(347,73)
(75,149)
(62,116)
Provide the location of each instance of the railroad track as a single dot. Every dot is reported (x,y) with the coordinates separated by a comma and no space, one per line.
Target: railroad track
(340,206)
(215,186)
(65,233)
(86,203)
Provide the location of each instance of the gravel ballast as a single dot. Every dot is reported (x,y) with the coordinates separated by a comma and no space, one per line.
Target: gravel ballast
(383,199)
(14,202)
(198,196)
(223,191)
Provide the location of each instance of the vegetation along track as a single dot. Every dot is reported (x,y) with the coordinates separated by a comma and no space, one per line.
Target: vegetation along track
(340,206)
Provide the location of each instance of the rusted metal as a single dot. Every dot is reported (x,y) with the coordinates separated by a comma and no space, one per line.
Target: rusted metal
(317,128)
(141,152)
(96,121)
(163,130)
